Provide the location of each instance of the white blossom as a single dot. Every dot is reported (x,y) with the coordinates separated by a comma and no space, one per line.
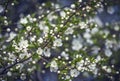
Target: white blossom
(23,21)
(94,30)
(45,29)
(69,31)
(9,73)
(95,49)
(39,51)
(87,35)
(92,66)
(23,76)
(98,58)
(72,5)
(74,72)
(41,25)
(51,17)
(63,14)
(40,40)
(28,28)
(108,52)
(1,9)
(65,55)
(108,70)
(116,28)
(89,41)
(82,25)
(12,35)
(98,21)
(47,52)
(67,77)
(76,44)
(33,38)
(23,44)
(53,66)
(24,54)
(109,43)
(57,42)
(110,10)
(79,65)
(12,57)
(21,56)
(79,0)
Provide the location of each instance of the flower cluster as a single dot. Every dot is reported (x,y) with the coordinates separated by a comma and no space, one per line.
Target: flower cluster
(64,40)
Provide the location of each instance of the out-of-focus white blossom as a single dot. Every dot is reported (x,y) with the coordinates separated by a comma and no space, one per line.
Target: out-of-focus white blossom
(69,31)
(62,14)
(95,50)
(23,21)
(47,52)
(89,41)
(24,54)
(79,0)
(23,76)
(98,21)
(98,58)
(110,10)
(79,65)
(109,70)
(45,30)
(87,35)
(116,28)
(21,56)
(53,66)
(108,52)
(57,42)
(72,6)
(12,35)
(65,55)
(83,25)
(109,44)
(100,10)
(92,66)
(67,77)
(94,30)
(33,38)
(11,57)
(74,72)
(9,73)
(51,17)
(76,44)
(1,9)
(41,25)
(40,40)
